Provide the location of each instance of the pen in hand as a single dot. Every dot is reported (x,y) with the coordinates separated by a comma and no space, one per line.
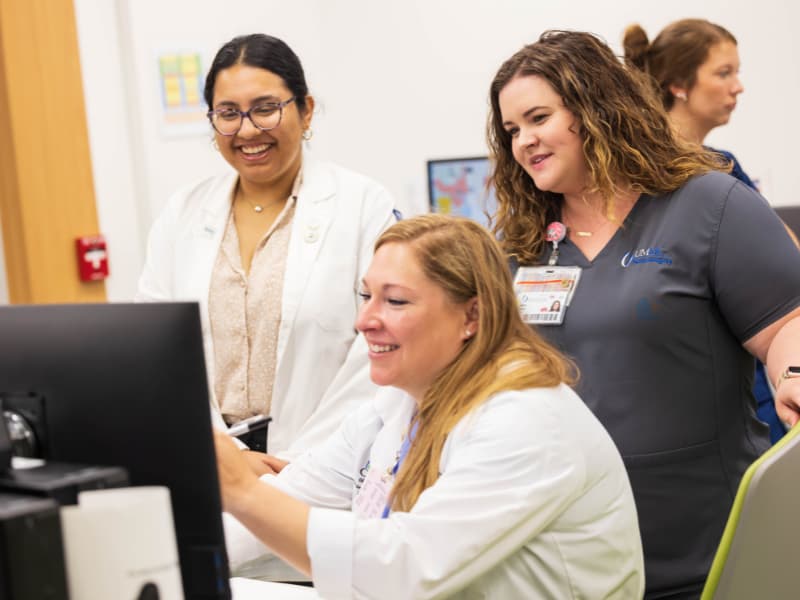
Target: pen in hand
(248,425)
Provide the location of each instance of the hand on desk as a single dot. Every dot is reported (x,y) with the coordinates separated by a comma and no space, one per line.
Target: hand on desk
(262,463)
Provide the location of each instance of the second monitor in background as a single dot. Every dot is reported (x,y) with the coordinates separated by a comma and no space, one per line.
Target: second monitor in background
(459,186)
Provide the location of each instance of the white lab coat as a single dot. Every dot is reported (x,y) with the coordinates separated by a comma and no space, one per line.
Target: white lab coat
(533,501)
(322,369)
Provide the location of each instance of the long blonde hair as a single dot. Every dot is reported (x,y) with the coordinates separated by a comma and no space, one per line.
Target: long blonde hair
(627,136)
(464,259)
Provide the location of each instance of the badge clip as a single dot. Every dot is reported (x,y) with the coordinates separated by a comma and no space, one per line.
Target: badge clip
(556,232)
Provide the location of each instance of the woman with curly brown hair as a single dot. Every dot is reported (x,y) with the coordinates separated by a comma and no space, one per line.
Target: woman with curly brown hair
(673,275)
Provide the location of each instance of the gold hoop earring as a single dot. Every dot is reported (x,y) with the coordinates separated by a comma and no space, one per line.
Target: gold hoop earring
(214,144)
(308,134)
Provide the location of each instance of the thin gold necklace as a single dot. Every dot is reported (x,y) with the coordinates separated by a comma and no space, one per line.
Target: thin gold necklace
(257,207)
(585,233)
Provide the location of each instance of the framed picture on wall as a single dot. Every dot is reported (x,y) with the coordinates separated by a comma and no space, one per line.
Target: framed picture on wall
(460,186)
(180,82)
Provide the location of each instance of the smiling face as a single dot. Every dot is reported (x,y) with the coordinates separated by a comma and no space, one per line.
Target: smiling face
(413,328)
(263,159)
(712,98)
(544,135)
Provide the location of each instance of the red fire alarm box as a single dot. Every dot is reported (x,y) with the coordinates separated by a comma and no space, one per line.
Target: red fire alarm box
(92,257)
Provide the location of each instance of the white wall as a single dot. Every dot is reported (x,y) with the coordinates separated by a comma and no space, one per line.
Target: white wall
(396,84)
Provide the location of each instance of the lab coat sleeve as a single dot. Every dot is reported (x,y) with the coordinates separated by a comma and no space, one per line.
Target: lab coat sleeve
(325,475)
(351,385)
(320,477)
(511,471)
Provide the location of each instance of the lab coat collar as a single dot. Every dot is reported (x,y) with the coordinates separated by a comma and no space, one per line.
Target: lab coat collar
(215,211)
(318,183)
(391,402)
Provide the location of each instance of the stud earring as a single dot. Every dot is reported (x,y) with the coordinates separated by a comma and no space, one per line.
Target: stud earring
(308,134)
(681,96)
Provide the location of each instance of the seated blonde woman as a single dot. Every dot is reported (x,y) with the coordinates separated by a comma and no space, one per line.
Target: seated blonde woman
(475,470)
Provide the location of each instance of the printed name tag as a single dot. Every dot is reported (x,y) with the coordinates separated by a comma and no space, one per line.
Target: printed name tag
(371,498)
(544,293)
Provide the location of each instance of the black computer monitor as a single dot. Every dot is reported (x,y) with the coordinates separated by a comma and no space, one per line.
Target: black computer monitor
(126,385)
(459,186)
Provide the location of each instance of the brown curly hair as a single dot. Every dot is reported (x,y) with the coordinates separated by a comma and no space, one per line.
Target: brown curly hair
(627,137)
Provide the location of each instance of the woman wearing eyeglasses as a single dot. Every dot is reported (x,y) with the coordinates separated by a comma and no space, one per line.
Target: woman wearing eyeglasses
(273,252)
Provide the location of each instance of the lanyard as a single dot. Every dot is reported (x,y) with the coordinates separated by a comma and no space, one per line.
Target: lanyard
(401,455)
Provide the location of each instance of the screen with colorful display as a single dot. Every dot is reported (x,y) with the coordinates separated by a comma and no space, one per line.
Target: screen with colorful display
(459,186)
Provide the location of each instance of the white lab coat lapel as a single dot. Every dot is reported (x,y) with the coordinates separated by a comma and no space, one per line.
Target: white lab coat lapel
(313,215)
(200,254)
(207,233)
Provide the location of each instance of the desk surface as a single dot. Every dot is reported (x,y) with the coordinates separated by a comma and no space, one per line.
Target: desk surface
(251,589)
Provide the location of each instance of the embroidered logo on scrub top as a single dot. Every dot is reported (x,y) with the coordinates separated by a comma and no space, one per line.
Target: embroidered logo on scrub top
(646,255)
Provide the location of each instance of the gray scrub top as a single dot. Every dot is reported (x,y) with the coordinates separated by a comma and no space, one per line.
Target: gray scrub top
(656,328)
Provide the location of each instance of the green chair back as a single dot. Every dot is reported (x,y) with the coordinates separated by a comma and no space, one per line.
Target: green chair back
(759,554)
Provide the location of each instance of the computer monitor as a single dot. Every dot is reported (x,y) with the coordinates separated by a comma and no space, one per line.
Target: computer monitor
(126,385)
(459,186)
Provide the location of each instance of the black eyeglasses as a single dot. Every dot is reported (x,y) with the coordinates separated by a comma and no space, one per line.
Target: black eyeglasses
(265,116)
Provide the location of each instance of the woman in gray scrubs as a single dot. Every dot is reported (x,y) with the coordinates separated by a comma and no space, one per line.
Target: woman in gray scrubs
(672,275)
(695,65)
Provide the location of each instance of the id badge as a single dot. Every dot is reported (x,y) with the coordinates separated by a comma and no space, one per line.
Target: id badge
(373,495)
(544,293)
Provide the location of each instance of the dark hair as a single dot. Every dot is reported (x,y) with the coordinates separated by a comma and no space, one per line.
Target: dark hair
(675,55)
(627,136)
(265,52)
